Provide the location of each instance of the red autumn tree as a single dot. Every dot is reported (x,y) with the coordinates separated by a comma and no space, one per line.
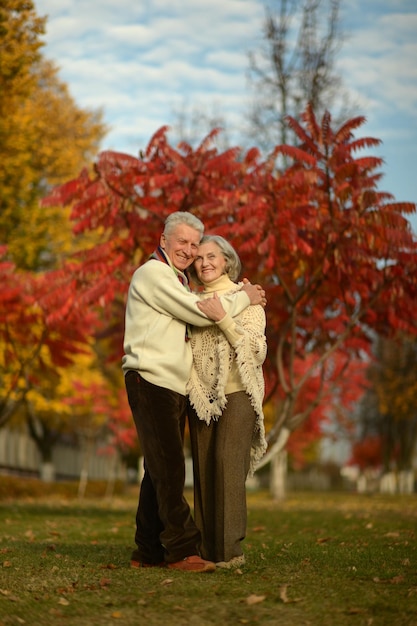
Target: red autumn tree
(336,255)
(367,453)
(340,255)
(43,326)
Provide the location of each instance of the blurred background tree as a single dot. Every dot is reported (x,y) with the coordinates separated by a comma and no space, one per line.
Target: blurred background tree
(387,415)
(295,65)
(45,138)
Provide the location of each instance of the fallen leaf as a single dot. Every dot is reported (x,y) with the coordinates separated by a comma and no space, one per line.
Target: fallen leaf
(7,563)
(116,615)
(397,579)
(63,601)
(323,539)
(355,611)
(394,581)
(167,581)
(283,594)
(9,595)
(51,547)
(284,597)
(254,599)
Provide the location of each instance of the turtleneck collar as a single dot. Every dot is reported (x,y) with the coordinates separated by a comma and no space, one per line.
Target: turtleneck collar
(223,283)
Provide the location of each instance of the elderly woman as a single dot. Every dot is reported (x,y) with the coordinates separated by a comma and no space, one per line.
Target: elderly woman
(226,391)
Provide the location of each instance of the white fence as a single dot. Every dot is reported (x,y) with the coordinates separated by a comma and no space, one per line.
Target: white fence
(18,454)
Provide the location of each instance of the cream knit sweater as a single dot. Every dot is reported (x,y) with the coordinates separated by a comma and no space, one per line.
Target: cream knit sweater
(228,357)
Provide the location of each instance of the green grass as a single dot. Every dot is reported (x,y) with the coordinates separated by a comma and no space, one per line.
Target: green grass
(314,559)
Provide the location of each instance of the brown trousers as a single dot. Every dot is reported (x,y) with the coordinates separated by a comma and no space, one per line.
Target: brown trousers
(221,459)
(164,526)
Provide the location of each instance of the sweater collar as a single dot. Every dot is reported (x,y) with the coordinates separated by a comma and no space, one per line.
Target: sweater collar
(160,255)
(223,283)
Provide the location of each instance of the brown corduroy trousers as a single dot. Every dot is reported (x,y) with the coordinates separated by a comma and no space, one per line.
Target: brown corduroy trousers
(165,529)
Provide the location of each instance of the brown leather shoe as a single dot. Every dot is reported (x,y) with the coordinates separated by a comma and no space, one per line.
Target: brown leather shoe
(138,564)
(193,563)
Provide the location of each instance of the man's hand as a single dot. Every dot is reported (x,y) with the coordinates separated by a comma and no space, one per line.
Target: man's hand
(255,292)
(212,307)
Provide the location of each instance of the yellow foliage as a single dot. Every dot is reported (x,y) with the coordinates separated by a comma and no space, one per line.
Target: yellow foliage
(20,30)
(51,397)
(395,379)
(45,139)
(269,410)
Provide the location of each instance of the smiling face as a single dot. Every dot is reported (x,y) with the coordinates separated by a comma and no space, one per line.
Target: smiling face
(181,245)
(209,263)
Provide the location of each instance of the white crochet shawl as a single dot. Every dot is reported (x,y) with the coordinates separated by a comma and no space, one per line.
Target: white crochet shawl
(213,355)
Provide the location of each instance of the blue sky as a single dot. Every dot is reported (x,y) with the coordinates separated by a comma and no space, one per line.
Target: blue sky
(140,61)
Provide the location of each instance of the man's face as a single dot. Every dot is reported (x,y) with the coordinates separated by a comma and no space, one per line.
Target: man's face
(181,246)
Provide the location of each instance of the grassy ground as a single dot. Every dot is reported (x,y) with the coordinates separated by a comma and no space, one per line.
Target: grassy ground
(315,559)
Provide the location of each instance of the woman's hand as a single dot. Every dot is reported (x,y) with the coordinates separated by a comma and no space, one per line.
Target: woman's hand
(212,307)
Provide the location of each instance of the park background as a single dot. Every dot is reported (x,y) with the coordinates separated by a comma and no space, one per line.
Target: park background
(125,72)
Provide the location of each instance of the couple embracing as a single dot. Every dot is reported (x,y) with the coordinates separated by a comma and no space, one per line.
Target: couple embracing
(198,354)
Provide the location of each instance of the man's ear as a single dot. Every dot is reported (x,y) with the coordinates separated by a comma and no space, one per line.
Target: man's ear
(162,241)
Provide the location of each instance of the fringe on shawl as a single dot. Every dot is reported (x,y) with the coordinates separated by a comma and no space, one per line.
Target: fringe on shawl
(254,383)
(209,404)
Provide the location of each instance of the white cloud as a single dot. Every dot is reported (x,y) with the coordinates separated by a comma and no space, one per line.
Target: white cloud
(141,60)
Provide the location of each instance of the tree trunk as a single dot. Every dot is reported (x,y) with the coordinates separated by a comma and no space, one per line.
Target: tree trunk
(47,471)
(388,483)
(406,481)
(278,475)
(88,450)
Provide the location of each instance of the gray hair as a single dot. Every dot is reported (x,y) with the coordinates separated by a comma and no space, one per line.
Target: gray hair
(233,264)
(182,217)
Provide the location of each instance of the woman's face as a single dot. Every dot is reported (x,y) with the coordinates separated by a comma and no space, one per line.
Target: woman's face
(209,263)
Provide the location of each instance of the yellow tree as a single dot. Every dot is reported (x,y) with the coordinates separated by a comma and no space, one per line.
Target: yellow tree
(45,138)
(394,378)
(76,401)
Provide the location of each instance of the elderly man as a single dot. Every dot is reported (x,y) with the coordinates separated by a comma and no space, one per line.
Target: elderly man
(157,364)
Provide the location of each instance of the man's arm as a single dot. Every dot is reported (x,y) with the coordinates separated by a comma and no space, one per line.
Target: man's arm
(156,285)
(255,292)
(214,309)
